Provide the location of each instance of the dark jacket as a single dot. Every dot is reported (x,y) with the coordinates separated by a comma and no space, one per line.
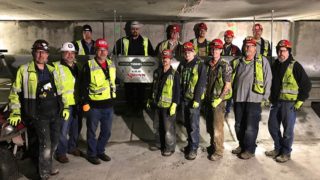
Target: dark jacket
(135,47)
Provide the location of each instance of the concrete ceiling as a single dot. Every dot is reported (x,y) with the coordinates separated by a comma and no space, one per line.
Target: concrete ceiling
(159,10)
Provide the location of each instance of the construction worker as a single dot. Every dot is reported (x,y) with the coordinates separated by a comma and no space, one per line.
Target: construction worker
(290,88)
(217,91)
(35,98)
(172,42)
(166,97)
(193,80)
(200,43)
(263,45)
(68,71)
(99,76)
(85,46)
(135,44)
(229,49)
(251,85)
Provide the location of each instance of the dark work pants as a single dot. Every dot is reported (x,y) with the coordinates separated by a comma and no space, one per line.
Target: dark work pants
(247,118)
(167,131)
(135,95)
(191,122)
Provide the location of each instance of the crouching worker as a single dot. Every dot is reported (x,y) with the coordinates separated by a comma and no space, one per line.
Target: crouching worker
(36,96)
(165,97)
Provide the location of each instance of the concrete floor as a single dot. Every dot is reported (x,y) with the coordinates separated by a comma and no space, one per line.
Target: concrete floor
(131,158)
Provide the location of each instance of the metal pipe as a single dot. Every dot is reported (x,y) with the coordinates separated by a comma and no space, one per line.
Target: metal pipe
(271,41)
(114,29)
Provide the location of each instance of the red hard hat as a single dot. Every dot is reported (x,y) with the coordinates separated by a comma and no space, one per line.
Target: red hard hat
(216,43)
(188,46)
(167,53)
(202,26)
(229,33)
(101,43)
(257,27)
(250,40)
(175,28)
(284,43)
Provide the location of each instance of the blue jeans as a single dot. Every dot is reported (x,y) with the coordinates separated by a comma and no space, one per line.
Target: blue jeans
(282,113)
(104,116)
(247,117)
(69,127)
(192,118)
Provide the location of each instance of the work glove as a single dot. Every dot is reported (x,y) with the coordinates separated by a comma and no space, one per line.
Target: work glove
(173,109)
(195,104)
(265,103)
(86,107)
(216,102)
(298,105)
(14,119)
(148,106)
(66,114)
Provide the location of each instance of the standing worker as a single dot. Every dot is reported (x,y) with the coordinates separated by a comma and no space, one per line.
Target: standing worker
(68,71)
(290,88)
(35,97)
(166,97)
(200,43)
(99,76)
(251,84)
(193,80)
(85,46)
(218,90)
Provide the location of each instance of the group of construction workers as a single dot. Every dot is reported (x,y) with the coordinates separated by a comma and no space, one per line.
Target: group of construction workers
(52,99)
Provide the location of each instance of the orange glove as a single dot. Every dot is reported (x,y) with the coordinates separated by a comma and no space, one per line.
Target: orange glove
(86,107)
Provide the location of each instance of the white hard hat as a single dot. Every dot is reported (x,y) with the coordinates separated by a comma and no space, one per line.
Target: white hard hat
(68,46)
(136,24)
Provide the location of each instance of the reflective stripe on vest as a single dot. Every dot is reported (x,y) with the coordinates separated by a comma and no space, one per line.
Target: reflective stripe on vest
(125,42)
(165,99)
(81,49)
(101,88)
(266,48)
(258,82)
(290,89)
(219,85)
(193,82)
(196,48)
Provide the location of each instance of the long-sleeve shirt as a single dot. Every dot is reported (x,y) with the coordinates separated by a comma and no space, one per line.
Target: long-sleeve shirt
(185,70)
(88,48)
(301,77)
(135,47)
(244,78)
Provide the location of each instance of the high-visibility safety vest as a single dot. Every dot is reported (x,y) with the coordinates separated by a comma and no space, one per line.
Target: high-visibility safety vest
(102,86)
(266,48)
(193,81)
(125,42)
(219,84)
(67,82)
(165,99)
(81,49)
(26,82)
(290,89)
(196,48)
(258,84)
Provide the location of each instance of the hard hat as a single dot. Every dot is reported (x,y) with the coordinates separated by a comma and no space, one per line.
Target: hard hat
(202,26)
(86,27)
(257,27)
(167,53)
(136,24)
(284,43)
(40,44)
(229,33)
(216,43)
(250,40)
(188,46)
(101,43)
(175,28)
(68,46)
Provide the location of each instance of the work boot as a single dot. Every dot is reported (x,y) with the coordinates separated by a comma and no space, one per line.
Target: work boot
(154,148)
(246,155)
(75,152)
(236,150)
(283,158)
(94,160)
(192,155)
(45,177)
(185,149)
(167,153)
(215,157)
(62,158)
(104,157)
(54,171)
(272,154)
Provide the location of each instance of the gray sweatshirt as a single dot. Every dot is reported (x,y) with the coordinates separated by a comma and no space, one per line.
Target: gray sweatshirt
(243,82)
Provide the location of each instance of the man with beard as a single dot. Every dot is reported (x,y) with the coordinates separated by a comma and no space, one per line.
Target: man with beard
(200,43)
(85,46)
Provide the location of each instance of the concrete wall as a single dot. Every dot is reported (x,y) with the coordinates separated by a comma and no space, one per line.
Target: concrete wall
(18,36)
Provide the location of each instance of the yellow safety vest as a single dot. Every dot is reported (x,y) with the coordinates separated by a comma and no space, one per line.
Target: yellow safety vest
(101,87)
(196,48)
(126,45)
(290,89)
(81,49)
(167,91)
